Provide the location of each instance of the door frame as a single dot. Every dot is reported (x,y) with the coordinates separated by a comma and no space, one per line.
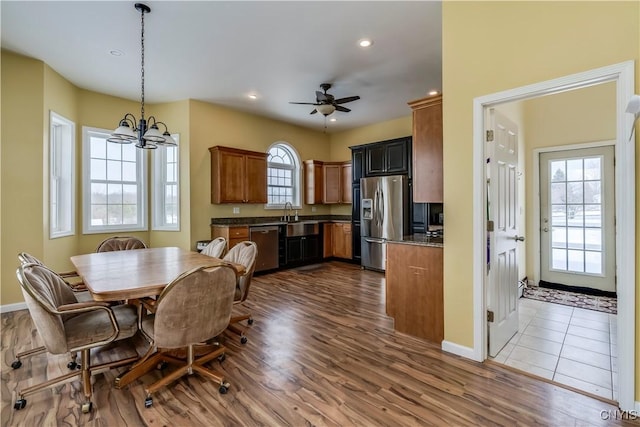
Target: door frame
(536,190)
(623,74)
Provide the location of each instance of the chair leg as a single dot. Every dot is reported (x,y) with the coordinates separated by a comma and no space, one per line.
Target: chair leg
(237,329)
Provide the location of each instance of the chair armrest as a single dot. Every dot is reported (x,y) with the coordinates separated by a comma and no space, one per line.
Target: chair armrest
(66,274)
(149,303)
(82,306)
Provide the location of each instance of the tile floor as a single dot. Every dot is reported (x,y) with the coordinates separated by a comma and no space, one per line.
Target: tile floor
(568,345)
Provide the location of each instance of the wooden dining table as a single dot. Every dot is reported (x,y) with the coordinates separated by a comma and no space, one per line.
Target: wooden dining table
(138,273)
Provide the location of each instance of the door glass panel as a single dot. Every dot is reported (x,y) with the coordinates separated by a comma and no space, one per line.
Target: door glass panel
(559,259)
(593,262)
(576,215)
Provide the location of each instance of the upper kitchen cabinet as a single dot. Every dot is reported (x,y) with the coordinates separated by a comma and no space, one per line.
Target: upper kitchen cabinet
(388,157)
(427,149)
(238,176)
(357,161)
(327,182)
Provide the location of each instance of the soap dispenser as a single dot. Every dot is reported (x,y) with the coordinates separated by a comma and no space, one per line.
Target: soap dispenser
(296,216)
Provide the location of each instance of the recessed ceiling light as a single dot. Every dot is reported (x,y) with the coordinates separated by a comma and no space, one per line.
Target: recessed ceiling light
(253,96)
(365,43)
(116,52)
(333,119)
(433,92)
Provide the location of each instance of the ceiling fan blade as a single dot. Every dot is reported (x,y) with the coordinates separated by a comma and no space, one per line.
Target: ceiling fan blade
(341,108)
(314,111)
(304,103)
(320,96)
(347,99)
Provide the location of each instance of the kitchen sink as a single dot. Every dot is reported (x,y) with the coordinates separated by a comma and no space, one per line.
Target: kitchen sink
(303,228)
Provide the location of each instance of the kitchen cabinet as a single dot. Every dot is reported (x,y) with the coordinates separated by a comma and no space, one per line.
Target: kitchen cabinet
(357,161)
(427,149)
(414,292)
(238,176)
(327,248)
(232,234)
(341,240)
(303,250)
(388,157)
(356,245)
(327,182)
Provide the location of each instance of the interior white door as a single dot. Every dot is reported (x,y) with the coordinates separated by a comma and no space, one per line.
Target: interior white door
(577,230)
(502,298)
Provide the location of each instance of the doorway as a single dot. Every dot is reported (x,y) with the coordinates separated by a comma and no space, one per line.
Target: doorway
(622,74)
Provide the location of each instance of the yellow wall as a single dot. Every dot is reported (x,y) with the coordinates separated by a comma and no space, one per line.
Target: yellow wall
(494,46)
(22,160)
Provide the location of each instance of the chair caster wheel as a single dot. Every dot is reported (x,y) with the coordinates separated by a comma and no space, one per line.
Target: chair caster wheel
(243,340)
(87,407)
(20,404)
(16,364)
(148,402)
(162,366)
(250,321)
(73,365)
(224,387)
(222,357)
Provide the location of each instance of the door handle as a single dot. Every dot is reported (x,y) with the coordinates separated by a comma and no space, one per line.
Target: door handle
(368,240)
(518,238)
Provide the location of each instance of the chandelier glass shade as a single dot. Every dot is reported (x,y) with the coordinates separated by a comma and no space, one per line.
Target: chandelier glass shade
(146,134)
(325,109)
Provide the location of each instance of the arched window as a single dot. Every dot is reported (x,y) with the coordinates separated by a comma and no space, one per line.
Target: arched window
(283,176)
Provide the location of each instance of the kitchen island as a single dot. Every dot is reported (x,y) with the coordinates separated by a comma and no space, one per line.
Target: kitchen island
(414,292)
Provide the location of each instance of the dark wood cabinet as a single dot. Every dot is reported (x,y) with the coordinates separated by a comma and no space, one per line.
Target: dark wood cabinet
(356,250)
(357,161)
(388,157)
(304,249)
(420,220)
(427,149)
(238,176)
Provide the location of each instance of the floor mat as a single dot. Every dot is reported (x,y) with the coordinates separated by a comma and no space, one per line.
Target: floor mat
(597,303)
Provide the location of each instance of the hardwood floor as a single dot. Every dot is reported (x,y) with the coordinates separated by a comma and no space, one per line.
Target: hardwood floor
(321,352)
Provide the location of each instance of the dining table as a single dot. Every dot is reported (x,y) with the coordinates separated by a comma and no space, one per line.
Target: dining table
(138,273)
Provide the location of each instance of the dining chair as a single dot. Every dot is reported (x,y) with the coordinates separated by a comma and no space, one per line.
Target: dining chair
(215,248)
(194,308)
(118,243)
(81,294)
(244,253)
(68,326)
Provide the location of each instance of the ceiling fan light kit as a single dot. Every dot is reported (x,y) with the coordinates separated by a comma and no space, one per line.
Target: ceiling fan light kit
(148,134)
(326,103)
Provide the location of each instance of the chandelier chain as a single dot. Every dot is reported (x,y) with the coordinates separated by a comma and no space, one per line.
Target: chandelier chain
(142,64)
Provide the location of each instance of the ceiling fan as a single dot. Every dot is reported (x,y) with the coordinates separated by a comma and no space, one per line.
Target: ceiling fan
(326,103)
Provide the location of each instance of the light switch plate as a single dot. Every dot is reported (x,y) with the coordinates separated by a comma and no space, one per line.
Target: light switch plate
(236,210)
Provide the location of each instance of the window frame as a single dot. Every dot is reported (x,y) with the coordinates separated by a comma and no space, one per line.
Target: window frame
(296,178)
(62,171)
(159,185)
(141,187)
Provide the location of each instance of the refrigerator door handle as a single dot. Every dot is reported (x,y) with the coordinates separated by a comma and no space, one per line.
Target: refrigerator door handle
(373,240)
(382,207)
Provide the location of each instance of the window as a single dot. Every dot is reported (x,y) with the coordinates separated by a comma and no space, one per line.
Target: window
(283,176)
(166,196)
(113,184)
(62,162)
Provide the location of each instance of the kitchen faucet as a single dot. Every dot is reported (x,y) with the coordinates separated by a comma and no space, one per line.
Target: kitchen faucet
(287,217)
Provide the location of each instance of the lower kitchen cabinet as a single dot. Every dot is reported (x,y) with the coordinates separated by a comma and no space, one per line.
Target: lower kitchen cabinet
(414,293)
(304,249)
(232,234)
(337,240)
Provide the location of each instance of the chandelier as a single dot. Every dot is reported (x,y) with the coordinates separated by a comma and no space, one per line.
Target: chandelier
(146,134)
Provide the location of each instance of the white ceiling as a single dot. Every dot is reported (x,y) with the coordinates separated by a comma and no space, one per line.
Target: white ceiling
(219,52)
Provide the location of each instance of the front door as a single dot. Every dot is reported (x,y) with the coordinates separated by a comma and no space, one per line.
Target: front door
(577,230)
(502,297)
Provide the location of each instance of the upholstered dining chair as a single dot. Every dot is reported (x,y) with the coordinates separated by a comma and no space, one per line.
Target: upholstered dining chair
(243,253)
(81,294)
(193,308)
(120,244)
(215,248)
(68,326)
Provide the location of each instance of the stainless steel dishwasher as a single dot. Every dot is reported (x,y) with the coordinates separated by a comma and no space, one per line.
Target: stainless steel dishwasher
(266,237)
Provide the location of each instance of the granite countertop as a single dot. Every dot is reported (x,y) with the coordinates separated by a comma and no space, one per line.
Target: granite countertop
(421,240)
(276,220)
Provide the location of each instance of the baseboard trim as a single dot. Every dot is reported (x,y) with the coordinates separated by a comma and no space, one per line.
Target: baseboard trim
(7,308)
(460,350)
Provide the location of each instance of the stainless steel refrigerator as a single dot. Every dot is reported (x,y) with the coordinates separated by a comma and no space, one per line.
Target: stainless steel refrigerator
(384,216)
